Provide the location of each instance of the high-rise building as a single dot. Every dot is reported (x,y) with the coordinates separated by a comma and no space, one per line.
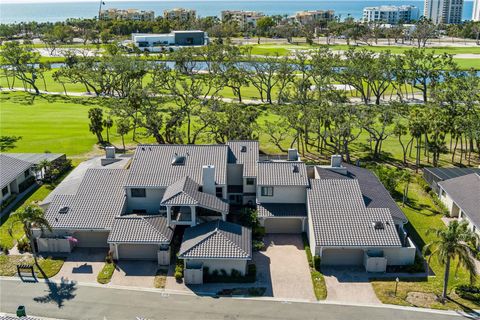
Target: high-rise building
(179,14)
(443,11)
(476,10)
(128,14)
(390,14)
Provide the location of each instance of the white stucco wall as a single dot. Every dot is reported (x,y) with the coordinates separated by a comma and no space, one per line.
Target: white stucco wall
(249,188)
(225,264)
(151,202)
(284,194)
(400,256)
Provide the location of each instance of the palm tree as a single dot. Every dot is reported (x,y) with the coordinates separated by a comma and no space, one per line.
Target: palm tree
(108,123)
(31,217)
(454,243)
(43,166)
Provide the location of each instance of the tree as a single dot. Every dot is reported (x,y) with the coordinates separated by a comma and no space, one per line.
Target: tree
(263,26)
(31,217)
(123,127)
(8,142)
(108,123)
(456,243)
(424,30)
(96,123)
(43,167)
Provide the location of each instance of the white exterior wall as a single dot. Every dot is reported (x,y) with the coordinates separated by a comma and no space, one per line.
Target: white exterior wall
(284,194)
(476,10)
(249,188)
(400,256)
(452,210)
(225,264)
(151,202)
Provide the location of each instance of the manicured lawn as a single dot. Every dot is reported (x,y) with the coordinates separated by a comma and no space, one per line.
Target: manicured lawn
(106,273)
(49,266)
(423,215)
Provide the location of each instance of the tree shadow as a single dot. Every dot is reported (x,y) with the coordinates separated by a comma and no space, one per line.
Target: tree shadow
(468,312)
(58,293)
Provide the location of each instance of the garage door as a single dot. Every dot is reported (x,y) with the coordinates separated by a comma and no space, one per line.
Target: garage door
(342,257)
(91,239)
(283,225)
(138,251)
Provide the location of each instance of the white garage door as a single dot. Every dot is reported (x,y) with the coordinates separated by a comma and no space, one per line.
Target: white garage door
(283,225)
(91,239)
(138,251)
(342,257)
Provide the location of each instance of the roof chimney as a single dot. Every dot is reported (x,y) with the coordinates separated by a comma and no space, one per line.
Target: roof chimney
(292,155)
(336,161)
(208,179)
(110,152)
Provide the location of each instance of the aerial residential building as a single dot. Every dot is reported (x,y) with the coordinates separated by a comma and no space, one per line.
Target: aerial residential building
(390,14)
(443,11)
(180,14)
(347,214)
(152,42)
(305,17)
(476,10)
(128,14)
(245,19)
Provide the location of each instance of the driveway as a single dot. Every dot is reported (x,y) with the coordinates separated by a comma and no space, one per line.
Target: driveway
(283,267)
(135,274)
(349,284)
(83,265)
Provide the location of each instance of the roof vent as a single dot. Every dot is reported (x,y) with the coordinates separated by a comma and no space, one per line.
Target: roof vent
(64,210)
(378,225)
(295,168)
(178,161)
(244,149)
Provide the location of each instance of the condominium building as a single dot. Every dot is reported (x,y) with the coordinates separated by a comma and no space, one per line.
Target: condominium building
(245,19)
(444,11)
(128,14)
(476,10)
(179,14)
(390,14)
(305,17)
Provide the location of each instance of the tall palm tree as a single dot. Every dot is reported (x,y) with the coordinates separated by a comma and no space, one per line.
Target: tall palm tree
(454,243)
(32,217)
(43,166)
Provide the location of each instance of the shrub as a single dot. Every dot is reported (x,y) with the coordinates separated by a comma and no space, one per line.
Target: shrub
(258,245)
(7,201)
(234,277)
(468,292)
(23,245)
(316,262)
(235,273)
(179,267)
(109,257)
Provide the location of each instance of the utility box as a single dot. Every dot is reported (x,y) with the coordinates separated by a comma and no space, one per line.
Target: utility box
(163,256)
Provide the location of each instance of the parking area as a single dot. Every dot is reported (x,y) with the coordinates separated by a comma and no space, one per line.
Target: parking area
(283,267)
(349,284)
(135,274)
(83,265)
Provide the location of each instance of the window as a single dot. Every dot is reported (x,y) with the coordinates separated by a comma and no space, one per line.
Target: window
(138,193)
(5,191)
(267,192)
(250,181)
(26,173)
(219,192)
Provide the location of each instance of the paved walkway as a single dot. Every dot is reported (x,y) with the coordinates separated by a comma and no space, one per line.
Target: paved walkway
(349,285)
(82,265)
(135,274)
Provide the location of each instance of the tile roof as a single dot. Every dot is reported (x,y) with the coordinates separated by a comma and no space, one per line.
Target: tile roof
(152,164)
(465,192)
(282,173)
(99,199)
(340,218)
(266,210)
(375,195)
(217,240)
(36,158)
(11,168)
(449,173)
(141,229)
(244,152)
(186,192)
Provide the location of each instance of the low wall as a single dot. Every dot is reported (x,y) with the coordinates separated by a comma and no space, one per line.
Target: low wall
(54,245)
(401,256)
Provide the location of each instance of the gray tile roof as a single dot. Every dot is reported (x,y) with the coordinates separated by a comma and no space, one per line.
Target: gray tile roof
(36,158)
(99,199)
(282,173)
(449,173)
(244,152)
(465,192)
(186,192)
(340,219)
(217,240)
(266,210)
(375,195)
(141,229)
(11,168)
(152,164)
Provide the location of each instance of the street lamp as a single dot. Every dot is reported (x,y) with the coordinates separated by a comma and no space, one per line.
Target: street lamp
(397,280)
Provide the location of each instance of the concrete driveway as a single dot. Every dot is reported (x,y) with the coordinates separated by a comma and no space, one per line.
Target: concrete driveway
(83,265)
(349,284)
(135,274)
(283,267)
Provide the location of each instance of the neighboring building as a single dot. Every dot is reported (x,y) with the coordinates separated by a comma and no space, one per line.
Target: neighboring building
(443,11)
(244,19)
(435,175)
(127,14)
(156,42)
(390,14)
(476,10)
(461,196)
(180,14)
(348,215)
(306,17)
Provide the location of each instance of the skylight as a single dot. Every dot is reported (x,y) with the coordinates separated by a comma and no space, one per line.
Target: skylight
(64,210)
(178,160)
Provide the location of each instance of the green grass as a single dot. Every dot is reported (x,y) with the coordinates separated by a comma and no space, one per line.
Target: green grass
(49,266)
(423,215)
(105,275)
(318,280)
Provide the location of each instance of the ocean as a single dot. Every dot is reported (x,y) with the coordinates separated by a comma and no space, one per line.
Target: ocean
(52,12)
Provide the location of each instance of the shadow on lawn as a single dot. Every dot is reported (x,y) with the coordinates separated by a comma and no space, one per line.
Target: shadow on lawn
(468,312)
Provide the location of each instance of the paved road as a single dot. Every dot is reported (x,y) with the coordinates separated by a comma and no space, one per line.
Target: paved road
(73,301)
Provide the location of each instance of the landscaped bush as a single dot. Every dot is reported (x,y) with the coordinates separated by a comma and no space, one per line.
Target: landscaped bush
(179,267)
(7,201)
(23,245)
(258,245)
(234,277)
(438,203)
(417,267)
(109,257)
(106,274)
(318,281)
(424,184)
(469,292)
